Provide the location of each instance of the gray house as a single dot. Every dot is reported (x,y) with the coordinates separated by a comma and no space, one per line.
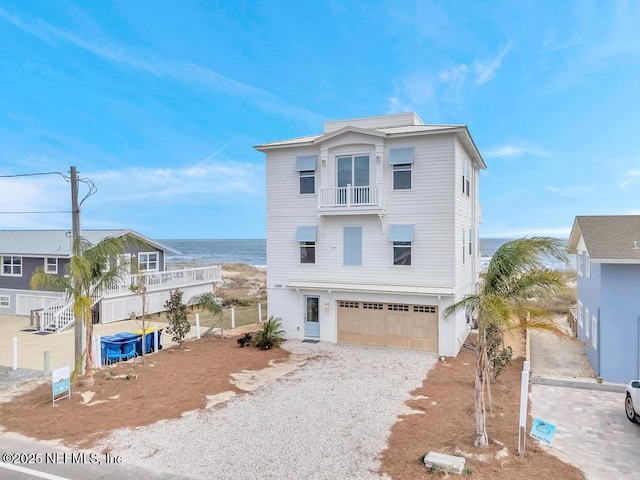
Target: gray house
(608,264)
(22,252)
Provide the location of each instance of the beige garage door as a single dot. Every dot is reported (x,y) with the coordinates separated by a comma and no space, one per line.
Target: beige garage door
(414,327)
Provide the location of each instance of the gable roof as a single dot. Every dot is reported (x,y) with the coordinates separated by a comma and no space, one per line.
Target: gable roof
(607,238)
(57,243)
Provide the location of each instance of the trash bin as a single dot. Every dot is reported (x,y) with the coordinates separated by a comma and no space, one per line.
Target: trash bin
(136,337)
(111,349)
(148,339)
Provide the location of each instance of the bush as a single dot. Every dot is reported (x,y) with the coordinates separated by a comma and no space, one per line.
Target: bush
(271,334)
(177,315)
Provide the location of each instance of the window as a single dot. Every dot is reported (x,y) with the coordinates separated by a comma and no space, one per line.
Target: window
(587,265)
(5,301)
(580,314)
(352,246)
(306,167)
(466,177)
(395,307)
(579,262)
(464,247)
(307,252)
(349,304)
(12,266)
(594,331)
(424,309)
(148,262)
(401,159)
(401,236)
(372,306)
(353,170)
(586,323)
(51,265)
(306,236)
(469,242)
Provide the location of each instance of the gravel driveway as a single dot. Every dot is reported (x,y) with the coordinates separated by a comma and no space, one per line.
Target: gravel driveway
(329,419)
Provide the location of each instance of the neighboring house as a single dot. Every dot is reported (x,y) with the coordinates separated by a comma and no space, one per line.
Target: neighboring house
(372,231)
(22,252)
(608,264)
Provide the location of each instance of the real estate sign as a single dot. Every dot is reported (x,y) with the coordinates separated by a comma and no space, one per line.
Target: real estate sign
(542,431)
(61,383)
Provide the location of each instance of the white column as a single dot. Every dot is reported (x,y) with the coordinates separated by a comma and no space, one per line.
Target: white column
(233,317)
(15,353)
(197,325)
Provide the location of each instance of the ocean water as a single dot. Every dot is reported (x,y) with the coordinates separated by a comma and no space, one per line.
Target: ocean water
(216,252)
(254,252)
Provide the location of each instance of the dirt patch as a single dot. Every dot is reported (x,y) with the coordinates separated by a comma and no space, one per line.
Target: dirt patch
(446,421)
(168,384)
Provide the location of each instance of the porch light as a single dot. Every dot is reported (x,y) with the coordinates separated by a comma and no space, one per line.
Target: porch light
(635,245)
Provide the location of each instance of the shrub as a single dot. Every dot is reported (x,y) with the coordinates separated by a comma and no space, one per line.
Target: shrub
(271,334)
(177,315)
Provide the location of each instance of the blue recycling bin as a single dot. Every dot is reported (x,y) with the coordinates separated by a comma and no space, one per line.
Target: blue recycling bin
(115,348)
(149,343)
(132,337)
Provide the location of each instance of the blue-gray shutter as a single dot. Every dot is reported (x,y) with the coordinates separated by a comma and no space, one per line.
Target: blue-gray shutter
(305,163)
(306,234)
(400,156)
(352,244)
(401,233)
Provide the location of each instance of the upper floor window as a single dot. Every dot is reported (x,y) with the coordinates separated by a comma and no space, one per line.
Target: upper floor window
(469,242)
(587,265)
(306,236)
(464,246)
(401,237)
(12,266)
(466,178)
(579,259)
(148,261)
(51,265)
(306,167)
(402,160)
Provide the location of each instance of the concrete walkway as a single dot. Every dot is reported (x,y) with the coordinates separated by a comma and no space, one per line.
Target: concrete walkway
(31,345)
(592,430)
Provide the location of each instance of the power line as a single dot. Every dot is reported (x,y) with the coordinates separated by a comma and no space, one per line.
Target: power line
(34,175)
(12,213)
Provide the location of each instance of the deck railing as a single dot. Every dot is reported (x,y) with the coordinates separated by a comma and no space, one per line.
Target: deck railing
(350,196)
(59,315)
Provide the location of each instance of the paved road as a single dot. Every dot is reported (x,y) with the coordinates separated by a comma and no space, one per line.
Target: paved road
(64,464)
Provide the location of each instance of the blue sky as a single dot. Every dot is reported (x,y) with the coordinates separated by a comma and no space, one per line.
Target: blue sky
(160,102)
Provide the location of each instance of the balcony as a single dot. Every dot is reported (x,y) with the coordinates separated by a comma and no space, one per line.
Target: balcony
(350,200)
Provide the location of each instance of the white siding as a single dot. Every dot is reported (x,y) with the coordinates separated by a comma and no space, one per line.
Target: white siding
(435,205)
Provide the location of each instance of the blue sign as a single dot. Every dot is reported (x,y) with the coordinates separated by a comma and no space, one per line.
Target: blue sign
(542,431)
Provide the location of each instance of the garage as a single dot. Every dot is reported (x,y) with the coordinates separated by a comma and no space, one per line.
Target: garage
(397,325)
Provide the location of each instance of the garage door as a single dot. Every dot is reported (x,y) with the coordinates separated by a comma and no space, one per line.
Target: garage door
(414,327)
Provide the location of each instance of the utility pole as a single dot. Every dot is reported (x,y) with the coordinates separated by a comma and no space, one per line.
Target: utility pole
(75,236)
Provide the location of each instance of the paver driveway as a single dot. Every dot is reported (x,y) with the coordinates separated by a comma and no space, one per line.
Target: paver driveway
(591,429)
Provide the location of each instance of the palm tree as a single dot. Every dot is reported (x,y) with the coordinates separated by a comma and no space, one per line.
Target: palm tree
(90,269)
(514,279)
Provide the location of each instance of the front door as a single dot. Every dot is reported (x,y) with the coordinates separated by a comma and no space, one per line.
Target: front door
(311,317)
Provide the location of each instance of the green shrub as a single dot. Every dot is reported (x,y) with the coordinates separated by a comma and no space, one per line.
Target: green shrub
(271,334)
(177,315)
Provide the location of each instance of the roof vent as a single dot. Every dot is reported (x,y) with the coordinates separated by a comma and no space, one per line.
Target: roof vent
(635,245)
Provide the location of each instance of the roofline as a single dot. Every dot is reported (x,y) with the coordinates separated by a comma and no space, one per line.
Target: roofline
(371,288)
(628,261)
(148,240)
(315,139)
(573,242)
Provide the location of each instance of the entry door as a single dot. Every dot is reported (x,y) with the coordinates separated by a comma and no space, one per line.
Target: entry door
(311,317)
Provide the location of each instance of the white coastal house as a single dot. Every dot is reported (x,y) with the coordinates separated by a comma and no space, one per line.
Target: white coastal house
(372,231)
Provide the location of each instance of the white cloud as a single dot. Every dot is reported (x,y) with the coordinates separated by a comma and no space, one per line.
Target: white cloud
(185,72)
(486,70)
(35,202)
(511,150)
(631,177)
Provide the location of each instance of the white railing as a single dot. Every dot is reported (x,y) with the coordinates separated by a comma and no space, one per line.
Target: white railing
(164,280)
(350,196)
(59,315)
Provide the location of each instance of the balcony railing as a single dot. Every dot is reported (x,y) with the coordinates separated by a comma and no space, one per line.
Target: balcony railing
(350,196)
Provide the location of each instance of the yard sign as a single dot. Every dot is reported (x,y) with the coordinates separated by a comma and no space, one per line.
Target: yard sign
(61,384)
(542,431)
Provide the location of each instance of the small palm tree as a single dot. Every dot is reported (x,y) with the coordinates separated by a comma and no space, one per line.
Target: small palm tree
(271,334)
(515,278)
(90,269)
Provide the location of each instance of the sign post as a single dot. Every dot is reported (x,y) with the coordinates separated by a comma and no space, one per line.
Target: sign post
(524,400)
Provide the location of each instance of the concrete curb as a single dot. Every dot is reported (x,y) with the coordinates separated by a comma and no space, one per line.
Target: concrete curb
(556,382)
